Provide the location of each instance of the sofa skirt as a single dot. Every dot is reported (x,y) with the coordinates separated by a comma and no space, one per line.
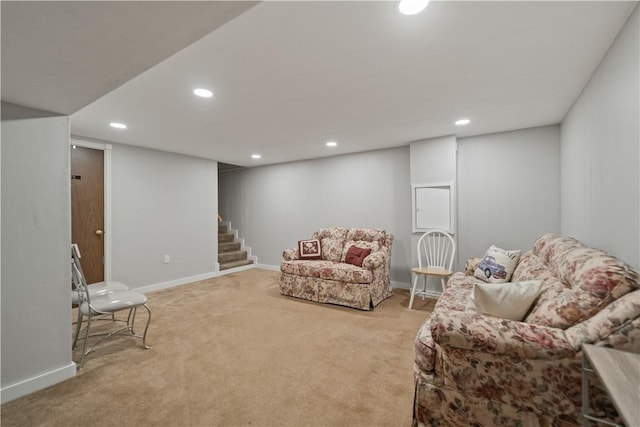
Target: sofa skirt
(356,295)
(445,407)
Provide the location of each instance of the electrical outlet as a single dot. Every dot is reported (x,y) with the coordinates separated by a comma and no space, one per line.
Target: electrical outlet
(167,259)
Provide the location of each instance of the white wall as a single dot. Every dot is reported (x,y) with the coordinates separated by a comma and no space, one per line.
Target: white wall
(507,184)
(601,155)
(275,206)
(163,204)
(508,189)
(434,161)
(36,241)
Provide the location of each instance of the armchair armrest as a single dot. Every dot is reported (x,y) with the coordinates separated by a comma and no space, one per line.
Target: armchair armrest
(471,265)
(374,260)
(290,254)
(472,331)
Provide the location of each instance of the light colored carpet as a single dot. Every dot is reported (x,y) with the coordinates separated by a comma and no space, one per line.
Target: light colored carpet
(232,351)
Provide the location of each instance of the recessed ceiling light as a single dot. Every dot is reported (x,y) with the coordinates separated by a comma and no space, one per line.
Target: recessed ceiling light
(118,125)
(204,93)
(256,156)
(332,144)
(462,122)
(411,7)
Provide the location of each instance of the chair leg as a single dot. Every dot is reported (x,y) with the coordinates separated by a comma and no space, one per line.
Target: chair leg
(131,319)
(144,335)
(425,280)
(444,284)
(86,339)
(129,328)
(78,325)
(413,291)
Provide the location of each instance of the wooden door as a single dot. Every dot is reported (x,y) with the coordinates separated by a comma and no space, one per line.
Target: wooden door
(87,209)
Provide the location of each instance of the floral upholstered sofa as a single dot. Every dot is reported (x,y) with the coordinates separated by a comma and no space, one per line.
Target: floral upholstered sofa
(476,370)
(337,277)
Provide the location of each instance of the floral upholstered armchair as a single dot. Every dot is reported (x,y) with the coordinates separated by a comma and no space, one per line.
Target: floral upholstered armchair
(473,369)
(350,266)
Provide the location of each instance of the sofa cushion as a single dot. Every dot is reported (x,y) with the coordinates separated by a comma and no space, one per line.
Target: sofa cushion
(587,279)
(310,249)
(456,293)
(510,300)
(332,242)
(619,322)
(332,249)
(529,268)
(356,255)
(328,270)
(364,244)
(498,265)
(383,238)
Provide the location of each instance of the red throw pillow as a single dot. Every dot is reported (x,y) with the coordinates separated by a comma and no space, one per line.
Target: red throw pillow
(356,255)
(310,249)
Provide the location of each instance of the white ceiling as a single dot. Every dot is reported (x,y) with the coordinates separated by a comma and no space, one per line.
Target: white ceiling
(60,56)
(289,76)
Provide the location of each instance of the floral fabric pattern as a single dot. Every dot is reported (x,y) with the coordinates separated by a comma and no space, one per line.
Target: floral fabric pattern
(331,280)
(332,240)
(578,281)
(374,246)
(471,266)
(478,370)
(328,270)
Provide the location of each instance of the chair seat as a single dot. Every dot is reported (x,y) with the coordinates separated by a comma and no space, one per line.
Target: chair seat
(99,289)
(432,271)
(114,301)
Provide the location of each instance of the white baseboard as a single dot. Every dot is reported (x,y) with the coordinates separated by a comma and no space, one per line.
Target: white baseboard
(186,280)
(38,382)
(268,267)
(236,269)
(401,285)
(177,282)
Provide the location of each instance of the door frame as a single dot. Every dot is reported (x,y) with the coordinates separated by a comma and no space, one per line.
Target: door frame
(107,195)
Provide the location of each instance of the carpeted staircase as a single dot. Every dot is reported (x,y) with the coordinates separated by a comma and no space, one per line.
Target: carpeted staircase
(230,253)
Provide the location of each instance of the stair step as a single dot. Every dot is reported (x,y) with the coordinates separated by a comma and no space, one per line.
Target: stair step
(225,238)
(228,247)
(232,256)
(223,229)
(233,264)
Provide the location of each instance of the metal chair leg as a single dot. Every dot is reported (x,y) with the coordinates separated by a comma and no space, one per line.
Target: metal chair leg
(78,325)
(144,335)
(86,339)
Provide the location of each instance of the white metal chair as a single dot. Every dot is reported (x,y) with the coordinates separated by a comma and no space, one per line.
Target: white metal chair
(94,288)
(436,250)
(107,303)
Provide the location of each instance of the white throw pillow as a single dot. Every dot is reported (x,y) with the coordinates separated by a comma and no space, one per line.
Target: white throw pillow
(504,300)
(497,265)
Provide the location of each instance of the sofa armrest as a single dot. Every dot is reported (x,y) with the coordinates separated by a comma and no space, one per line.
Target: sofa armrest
(374,260)
(472,331)
(471,265)
(290,254)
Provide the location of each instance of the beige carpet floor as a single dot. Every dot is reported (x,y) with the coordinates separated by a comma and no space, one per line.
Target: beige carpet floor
(232,351)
